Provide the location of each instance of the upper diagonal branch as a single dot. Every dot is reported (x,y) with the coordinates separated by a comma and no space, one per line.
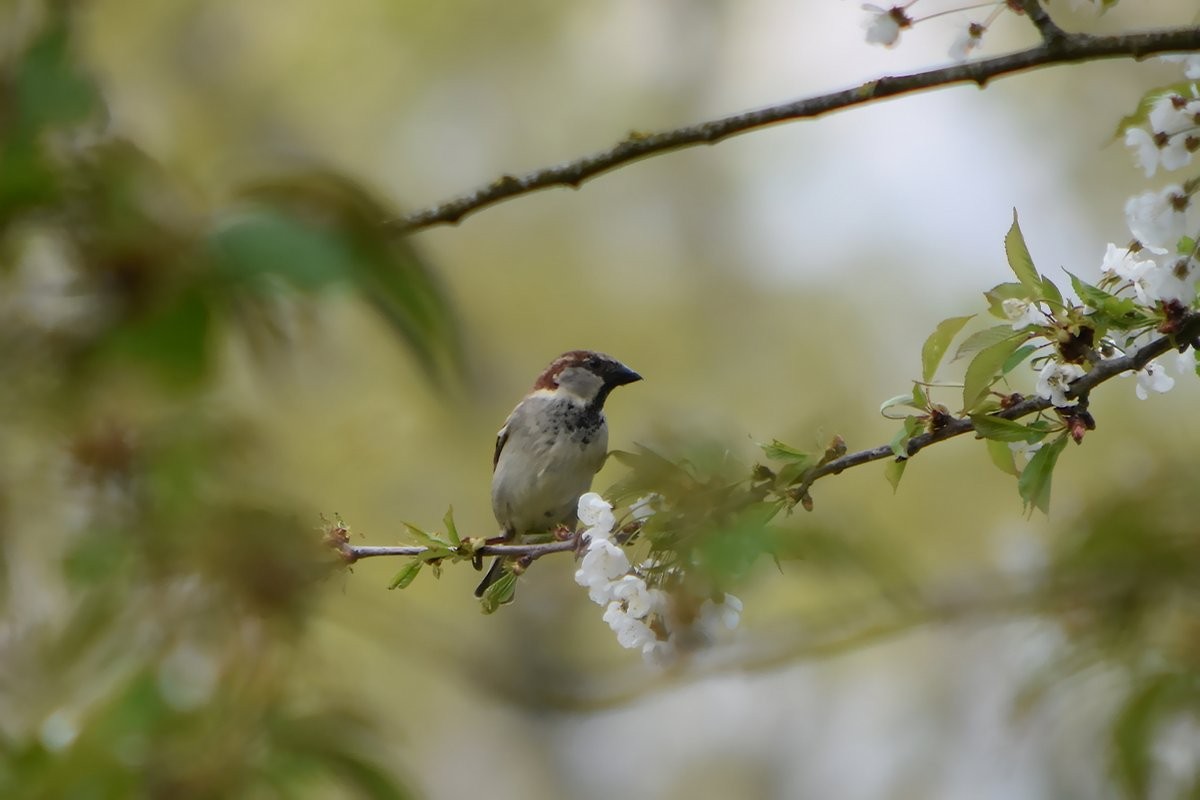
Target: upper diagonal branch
(1056,48)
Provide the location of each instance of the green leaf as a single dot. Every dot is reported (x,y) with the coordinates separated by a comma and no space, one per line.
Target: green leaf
(1021,261)
(1002,456)
(1005,430)
(1017,358)
(938,342)
(424,538)
(984,368)
(779,451)
(919,398)
(1034,483)
(451,528)
(385,268)
(1050,292)
(985,338)
(894,471)
(910,428)
(1116,312)
(900,401)
(499,593)
(268,241)
(406,575)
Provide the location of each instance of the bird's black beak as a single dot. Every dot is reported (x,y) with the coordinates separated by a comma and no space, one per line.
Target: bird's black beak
(622,375)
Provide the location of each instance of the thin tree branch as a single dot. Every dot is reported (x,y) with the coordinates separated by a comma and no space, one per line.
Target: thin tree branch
(1057,47)
(351,553)
(1052,35)
(1186,332)
(1188,329)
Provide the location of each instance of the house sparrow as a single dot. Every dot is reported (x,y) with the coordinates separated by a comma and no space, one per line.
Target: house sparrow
(551,446)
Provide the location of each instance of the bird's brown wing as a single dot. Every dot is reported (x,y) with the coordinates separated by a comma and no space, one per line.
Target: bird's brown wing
(501,438)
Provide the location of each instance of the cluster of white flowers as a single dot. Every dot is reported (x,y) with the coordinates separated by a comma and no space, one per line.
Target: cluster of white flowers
(639,615)
(1172,137)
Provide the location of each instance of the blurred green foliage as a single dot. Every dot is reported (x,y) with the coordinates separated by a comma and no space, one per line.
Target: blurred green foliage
(150,655)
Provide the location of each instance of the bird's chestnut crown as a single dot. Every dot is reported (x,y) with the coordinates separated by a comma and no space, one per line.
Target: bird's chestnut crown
(586,374)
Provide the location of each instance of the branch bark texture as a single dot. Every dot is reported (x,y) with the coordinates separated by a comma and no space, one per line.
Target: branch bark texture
(1057,47)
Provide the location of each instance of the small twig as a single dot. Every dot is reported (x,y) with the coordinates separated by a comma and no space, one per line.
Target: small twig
(352,553)
(1052,35)
(1057,47)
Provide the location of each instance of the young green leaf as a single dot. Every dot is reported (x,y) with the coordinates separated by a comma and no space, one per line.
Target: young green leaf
(894,471)
(1017,358)
(406,575)
(451,528)
(1021,261)
(1034,483)
(911,427)
(938,342)
(1118,312)
(779,451)
(900,401)
(499,593)
(919,398)
(1002,456)
(983,369)
(984,338)
(1050,292)
(423,538)
(1005,291)
(1005,430)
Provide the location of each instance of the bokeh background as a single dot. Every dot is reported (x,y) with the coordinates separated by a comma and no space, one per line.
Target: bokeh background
(208,344)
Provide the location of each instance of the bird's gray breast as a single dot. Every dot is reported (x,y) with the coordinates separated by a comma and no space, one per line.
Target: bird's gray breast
(553,450)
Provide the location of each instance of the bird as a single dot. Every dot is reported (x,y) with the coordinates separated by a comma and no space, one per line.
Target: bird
(551,446)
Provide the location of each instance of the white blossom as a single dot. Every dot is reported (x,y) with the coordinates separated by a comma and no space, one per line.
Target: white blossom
(1172,136)
(643,508)
(603,562)
(632,633)
(728,613)
(596,513)
(1153,378)
(600,592)
(1023,313)
(883,24)
(1167,278)
(1145,149)
(1158,219)
(1054,381)
(966,41)
(1185,362)
(639,599)
(1123,263)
